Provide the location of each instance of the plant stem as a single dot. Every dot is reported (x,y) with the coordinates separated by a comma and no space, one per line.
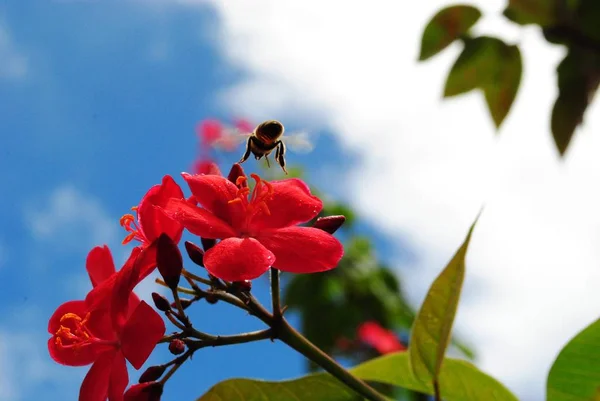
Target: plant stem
(196,277)
(297,341)
(436,390)
(242,338)
(282,330)
(275,293)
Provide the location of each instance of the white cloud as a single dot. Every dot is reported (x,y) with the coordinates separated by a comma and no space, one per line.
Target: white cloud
(25,367)
(14,64)
(73,219)
(77,222)
(534,263)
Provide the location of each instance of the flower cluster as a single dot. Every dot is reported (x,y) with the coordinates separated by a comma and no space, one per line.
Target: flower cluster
(244,233)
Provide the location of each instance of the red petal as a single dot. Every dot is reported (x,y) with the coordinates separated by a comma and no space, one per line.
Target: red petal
(238,259)
(95,383)
(152,221)
(383,340)
(99,264)
(127,278)
(101,296)
(197,220)
(143,260)
(302,249)
(290,204)
(141,333)
(119,379)
(214,192)
(65,356)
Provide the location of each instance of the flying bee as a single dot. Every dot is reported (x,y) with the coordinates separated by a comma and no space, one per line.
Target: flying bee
(265,138)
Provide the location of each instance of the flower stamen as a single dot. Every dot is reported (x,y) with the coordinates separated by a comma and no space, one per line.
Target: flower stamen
(128,222)
(76,336)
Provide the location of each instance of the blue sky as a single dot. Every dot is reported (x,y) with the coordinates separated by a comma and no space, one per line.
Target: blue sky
(98,100)
(98,104)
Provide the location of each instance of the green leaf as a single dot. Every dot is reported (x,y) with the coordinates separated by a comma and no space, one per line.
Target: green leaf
(475,67)
(313,387)
(491,65)
(578,78)
(459,381)
(501,92)
(432,327)
(445,27)
(540,12)
(575,374)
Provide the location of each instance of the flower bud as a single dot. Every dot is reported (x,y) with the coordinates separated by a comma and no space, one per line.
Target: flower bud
(176,347)
(235,172)
(150,391)
(207,243)
(211,298)
(329,224)
(195,253)
(152,373)
(161,303)
(168,260)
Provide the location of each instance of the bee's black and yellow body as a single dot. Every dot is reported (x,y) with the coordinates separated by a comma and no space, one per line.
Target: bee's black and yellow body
(265,138)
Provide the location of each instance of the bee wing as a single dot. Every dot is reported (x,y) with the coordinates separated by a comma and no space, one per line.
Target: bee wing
(299,142)
(230,138)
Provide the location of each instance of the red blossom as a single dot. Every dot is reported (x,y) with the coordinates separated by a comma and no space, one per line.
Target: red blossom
(383,340)
(150,223)
(206,166)
(257,229)
(122,328)
(244,125)
(209,131)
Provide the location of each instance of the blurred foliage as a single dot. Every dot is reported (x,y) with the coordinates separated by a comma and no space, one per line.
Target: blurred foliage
(445,27)
(494,67)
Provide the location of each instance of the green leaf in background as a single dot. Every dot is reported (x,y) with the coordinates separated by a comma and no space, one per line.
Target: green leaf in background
(459,381)
(445,27)
(540,12)
(575,374)
(588,15)
(501,92)
(433,324)
(475,67)
(491,65)
(578,78)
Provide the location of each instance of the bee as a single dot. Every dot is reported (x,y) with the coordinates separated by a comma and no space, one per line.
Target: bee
(266,137)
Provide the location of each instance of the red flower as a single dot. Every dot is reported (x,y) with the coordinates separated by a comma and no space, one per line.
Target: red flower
(209,131)
(244,125)
(151,222)
(202,166)
(383,340)
(257,231)
(124,328)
